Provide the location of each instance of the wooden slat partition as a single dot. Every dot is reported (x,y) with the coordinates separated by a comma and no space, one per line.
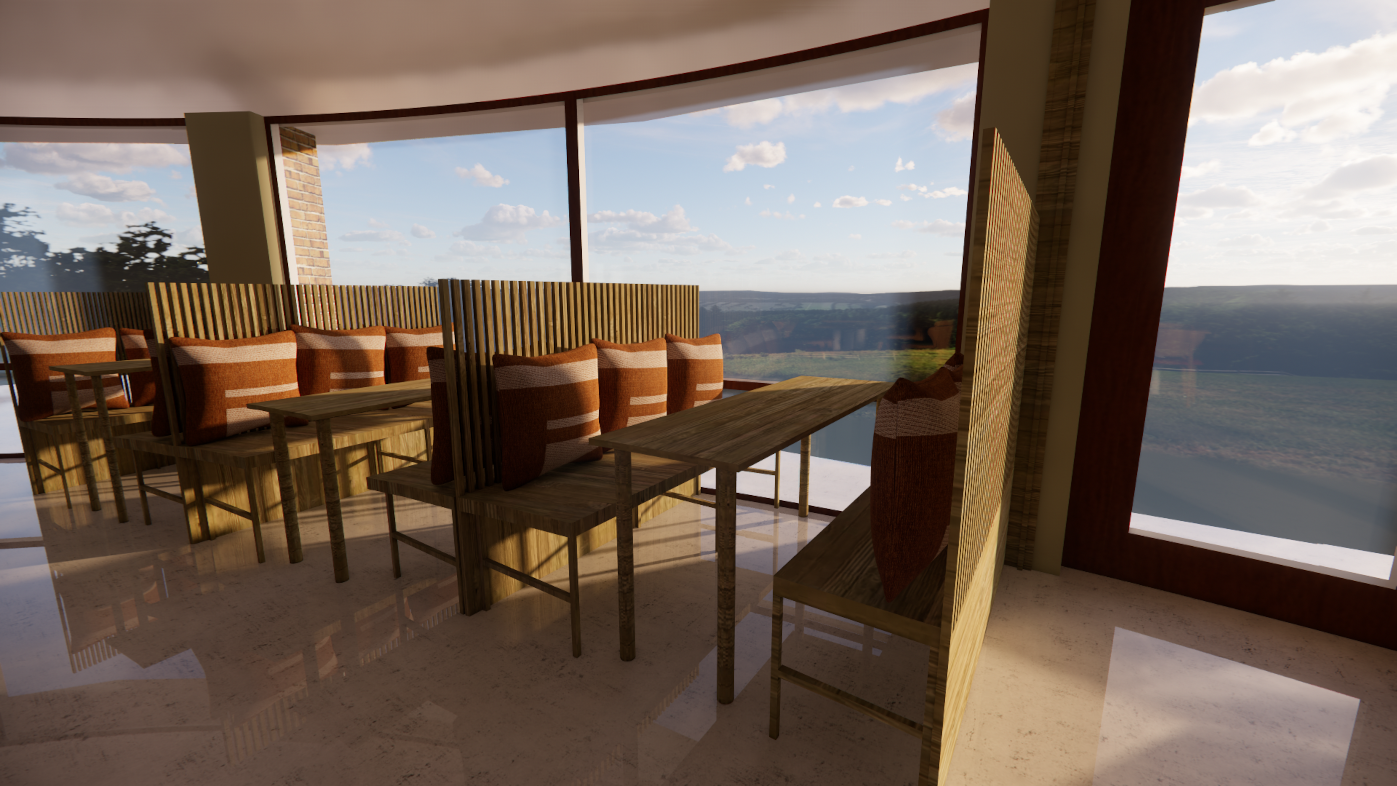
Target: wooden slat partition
(539,318)
(351,307)
(998,293)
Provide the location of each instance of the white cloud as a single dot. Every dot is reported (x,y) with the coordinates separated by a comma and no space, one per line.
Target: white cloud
(508,224)
(948,191)
(904,197)
(899,167)
(423,232)
(1392,230)
(957,122)
(777,214)
(1373,173)
(194,236)
(893,255)
(1245,241)
(768,187)
(373,222)
(817,204)
(481,176)
(672,222)
(176,175)
(884,202)
(43,158)
(1207,167)
(143,215)
(86,214)
(851,167)
(1270,134)
(857,237)
(374,236)
(1325,96)
(1319,226)
(860,97)
(466,248)
(850,201)
(747,201)
(1220,196)
(763,154)
(344,156)
(106,189)
(790,199)
(939,226)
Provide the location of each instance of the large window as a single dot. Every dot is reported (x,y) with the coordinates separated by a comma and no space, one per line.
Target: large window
(97,217)
(482,206)
(825,228)
(1272,420)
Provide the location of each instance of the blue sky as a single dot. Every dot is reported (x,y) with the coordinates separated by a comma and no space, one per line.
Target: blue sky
(1290,177)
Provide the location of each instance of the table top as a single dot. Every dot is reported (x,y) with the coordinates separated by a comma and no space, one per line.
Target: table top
(735,433)
(340,403)
(104,369)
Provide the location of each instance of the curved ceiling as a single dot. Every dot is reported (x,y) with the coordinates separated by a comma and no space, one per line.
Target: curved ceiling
(164,58)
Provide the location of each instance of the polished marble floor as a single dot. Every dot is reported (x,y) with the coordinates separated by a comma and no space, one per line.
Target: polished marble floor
(128,656)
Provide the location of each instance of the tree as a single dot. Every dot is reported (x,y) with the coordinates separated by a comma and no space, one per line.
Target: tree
(142,255)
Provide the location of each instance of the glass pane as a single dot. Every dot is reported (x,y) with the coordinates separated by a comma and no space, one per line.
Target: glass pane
(97,217)
(825,229)
(1272,418)
(485,206)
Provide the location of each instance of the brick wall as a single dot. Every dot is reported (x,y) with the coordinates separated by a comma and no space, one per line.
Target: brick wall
(307,211)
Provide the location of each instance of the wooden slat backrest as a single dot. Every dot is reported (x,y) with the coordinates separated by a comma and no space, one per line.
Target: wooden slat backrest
(998,294)
(352,307)
(532,318)
(211,311)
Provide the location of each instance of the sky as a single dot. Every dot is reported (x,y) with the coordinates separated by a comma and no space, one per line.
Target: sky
(1290,177)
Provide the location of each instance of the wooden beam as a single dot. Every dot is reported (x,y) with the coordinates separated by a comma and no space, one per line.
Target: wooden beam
(577,187)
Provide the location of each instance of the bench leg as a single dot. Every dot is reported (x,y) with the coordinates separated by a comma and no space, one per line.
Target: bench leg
(141,488)
(778,609)
(776,489)
(31,460)
(393,536)
(725,537)
(63,474)
(287,485)
(574,599)
(254,508)
(200,506)
(472,578)
(334,516)
(930,769)
(625,554)
(804,509)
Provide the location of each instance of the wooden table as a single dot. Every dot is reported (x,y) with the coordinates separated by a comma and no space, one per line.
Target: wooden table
(320,409)
(728,435)
(94,372)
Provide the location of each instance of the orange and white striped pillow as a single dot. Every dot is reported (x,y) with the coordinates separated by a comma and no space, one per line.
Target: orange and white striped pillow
(633,380)
(550,407)
(695,370)
(220,378)
(135,345)
(43,393)
(914,462)
(406,356)
(329,360)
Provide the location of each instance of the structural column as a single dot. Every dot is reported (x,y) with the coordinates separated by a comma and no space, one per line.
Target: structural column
(237,199)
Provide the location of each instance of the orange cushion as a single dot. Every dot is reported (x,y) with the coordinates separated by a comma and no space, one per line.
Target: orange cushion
(914,461)
(135,343)
(43,393)
(329,360)
(633,382)
(441,417)
(695,370)
(549,409)
(406,356)
(220,378)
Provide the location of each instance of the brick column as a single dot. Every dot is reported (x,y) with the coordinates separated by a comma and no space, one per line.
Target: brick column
(309,251)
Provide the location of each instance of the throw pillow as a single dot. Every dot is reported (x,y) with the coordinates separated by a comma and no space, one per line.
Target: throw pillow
(220,378)
(633,381)
(914,460)
(549,410)
(407,352)
(135,344)
(329,360)
(695,371)
(42,393)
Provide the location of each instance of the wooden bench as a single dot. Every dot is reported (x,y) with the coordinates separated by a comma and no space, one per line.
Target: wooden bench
(236,477)
(571,509)
(53,443)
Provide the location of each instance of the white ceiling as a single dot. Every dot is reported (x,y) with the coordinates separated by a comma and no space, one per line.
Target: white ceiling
(163,58)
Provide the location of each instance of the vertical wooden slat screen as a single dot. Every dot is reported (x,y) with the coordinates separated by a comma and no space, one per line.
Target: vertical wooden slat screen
(998,294)
(537,318)
(340,307)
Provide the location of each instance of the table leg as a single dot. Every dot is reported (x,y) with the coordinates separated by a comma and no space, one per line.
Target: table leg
(726,537)
(288,490)
(625,553)
(805,476)
(104,426)
(84,450)
(333,515)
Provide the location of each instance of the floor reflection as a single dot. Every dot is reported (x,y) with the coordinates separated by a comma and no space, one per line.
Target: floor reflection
(1177,715)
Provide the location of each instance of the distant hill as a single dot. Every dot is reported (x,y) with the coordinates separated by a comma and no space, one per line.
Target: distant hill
(748,300)
(1276,295)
